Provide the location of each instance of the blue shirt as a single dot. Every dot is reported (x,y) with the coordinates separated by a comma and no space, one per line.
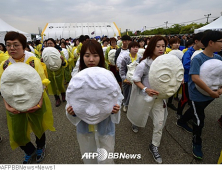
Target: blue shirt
(186,63)
(197,61)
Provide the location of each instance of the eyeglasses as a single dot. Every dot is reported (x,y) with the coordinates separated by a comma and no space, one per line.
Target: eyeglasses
(219,41)
(16,46)
(50,44)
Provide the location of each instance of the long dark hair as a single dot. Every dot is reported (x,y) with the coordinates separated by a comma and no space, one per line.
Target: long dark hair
(152,45)
(95,48)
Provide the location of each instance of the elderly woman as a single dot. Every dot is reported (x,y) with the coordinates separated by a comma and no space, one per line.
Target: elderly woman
(37,118)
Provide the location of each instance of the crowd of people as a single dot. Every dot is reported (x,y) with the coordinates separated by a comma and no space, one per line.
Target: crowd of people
(116,55)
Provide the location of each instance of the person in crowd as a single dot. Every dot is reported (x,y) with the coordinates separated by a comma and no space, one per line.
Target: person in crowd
(105,45)
(139,110)
(119,41)
(2,48)
(186,60)
(189,43)
(3,53)
(91,55)
(147,40)
(120,52)
(174,45)
(112,46)
(128,59)
(68,69)
(141,43)
(39,117)
(183,40)
(212,41)
(38,46)
(56,87)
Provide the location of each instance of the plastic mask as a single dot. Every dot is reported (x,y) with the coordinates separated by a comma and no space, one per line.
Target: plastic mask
(92,93)
(51,57)
(166,75)
(211,74)
(21,86)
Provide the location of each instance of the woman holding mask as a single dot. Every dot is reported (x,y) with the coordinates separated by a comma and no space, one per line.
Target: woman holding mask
(91,55)
(38,118)
(56,87)
(139,110)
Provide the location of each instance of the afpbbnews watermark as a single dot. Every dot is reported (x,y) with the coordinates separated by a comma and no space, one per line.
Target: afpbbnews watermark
(102,155)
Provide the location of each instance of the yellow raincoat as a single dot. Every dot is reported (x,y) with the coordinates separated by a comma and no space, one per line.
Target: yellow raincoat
(56,78)
(21,125)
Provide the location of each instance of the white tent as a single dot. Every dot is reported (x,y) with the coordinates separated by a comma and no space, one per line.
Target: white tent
(215,25)
(4,28)
(74,30)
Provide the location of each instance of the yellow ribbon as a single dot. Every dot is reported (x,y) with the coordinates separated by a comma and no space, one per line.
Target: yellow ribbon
(133,59)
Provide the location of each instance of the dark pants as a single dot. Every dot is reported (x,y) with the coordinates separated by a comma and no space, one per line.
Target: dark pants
(196,112)
(29,148)
(185,99)
(198,119)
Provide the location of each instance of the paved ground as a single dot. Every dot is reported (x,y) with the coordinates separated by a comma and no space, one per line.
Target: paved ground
(175,148)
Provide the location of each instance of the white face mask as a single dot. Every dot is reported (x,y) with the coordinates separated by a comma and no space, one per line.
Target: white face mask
(166,75)
(92,93)
(111,56)
(51,57)
(210,73)
(21,86)
(177,53)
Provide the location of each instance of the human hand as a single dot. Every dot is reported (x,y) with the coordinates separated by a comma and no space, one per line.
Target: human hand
(33,109)
(151,92)
(215,94)
(115,108)
(70,110)
(127,82)
(10,108)
(62,58)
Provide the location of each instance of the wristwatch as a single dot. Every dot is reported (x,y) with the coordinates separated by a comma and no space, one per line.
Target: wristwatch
(144,89)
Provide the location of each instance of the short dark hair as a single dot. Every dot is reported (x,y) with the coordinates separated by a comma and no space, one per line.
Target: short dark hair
(189,42)
(211,35)
(198,36)
(51,39)
(133,44)
(174,40)
(95,48)
(12,35)
(112,39)
(125,37)
(82,38)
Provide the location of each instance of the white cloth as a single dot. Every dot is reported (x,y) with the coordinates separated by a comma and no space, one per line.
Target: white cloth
(102,137)
(139,110)
(121,56)
(66,53)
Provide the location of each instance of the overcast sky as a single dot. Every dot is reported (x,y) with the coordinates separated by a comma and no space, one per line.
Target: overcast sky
(28,15)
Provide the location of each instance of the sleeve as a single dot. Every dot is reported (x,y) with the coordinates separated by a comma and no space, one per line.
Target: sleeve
(195,66)
(40,70)
(1,71)
(116,117)
(73,119)
(106,55)
(117,54)
(65,64)
(76,68)
(138,73)
(186,61)
(123,69)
